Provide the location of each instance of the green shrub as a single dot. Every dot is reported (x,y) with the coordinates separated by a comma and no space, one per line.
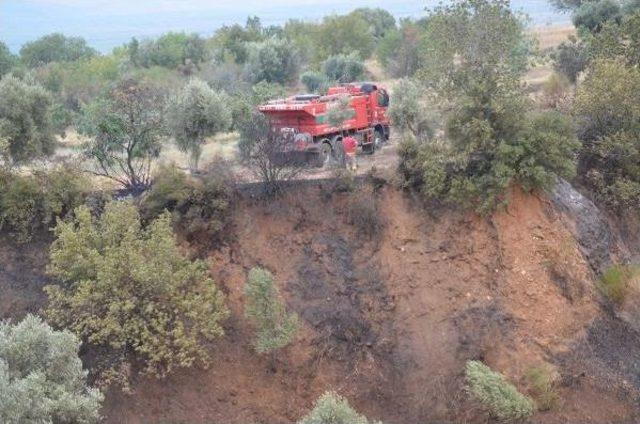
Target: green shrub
(131,294)
(500,397)
(275,328)
(200,208)
(570,58)
(344,68)
(332,408)
(542,386)
(615,282)
(30,203)
(41,376)
(592,15)
(316,82)
(607,111)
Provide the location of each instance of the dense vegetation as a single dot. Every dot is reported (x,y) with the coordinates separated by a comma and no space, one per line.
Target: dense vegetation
(122,283)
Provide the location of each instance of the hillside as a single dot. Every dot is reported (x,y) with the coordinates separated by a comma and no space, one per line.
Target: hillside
(389,321)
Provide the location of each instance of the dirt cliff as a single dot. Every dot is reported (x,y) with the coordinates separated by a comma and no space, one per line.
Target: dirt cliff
(391,307)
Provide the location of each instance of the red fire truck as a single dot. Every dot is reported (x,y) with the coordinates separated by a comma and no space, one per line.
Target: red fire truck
(315,140)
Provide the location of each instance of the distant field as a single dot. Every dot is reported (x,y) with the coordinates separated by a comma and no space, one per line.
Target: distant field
(551,36)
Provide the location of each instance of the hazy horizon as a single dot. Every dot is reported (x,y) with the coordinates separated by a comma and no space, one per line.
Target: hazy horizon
(106,24)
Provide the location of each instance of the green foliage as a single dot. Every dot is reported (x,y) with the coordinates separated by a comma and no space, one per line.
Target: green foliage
(570,58)
(591,15)
(617,40)
(615,282)
(55,48)
(25,120)
(7,59)
(195,113)
(344,68)
(409,110)
(275,328)
(344,35)
(607,110)
(556,91)
(234,40)
(273,60)
(478,54)
(30,203)
(131,293)
(380,21)
(542,386)
(338,112)
(200,208)
(41,376)
(399,51)
(500,397)
(125,129)
(316,82)
(172,50)
(332,408)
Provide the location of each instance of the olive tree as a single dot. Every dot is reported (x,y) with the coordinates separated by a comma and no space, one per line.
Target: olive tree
(125,129)
(195,113)
(25,121)
(41,376)
(478,53)
(131,294)
(275,328)
(272,60)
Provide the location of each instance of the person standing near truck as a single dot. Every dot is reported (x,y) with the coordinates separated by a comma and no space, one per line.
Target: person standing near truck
(350,145)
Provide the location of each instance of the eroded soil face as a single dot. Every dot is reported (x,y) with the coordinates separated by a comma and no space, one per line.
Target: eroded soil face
(390,320)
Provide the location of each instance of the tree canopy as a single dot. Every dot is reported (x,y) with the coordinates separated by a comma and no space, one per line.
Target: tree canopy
(55,48)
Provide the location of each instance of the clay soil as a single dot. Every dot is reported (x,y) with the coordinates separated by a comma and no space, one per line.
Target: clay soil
(388,319)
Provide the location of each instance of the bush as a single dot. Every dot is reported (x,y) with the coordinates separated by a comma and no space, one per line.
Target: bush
(500,397)
(275,327)
(41,376)
(570,58)
(130,293)
(607,111)
(615,282)
(201,208)
(344,68)
(316,82)
(555,91)
(25,120)
(542,386)
(30,203)
(332,408)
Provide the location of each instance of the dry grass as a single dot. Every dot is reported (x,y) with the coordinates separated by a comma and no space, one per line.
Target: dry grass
(551,36)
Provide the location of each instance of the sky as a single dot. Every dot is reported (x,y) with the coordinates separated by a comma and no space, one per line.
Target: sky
(110,23)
